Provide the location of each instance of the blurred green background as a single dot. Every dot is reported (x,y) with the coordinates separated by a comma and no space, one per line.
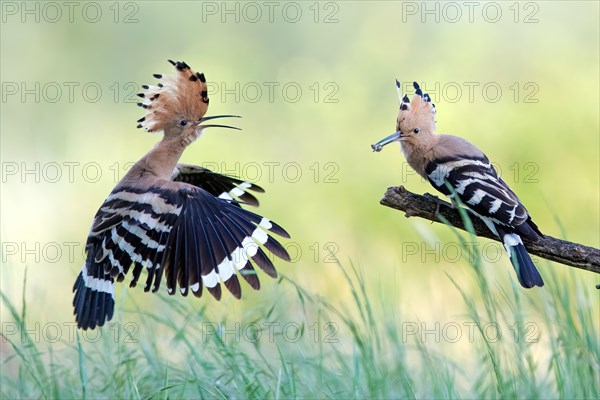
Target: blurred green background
(314,82)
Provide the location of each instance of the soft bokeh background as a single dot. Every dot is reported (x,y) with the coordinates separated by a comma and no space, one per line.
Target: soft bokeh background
(541,129)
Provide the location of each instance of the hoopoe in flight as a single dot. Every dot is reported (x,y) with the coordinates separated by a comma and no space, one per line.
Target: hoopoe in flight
(450,160)
(181,221)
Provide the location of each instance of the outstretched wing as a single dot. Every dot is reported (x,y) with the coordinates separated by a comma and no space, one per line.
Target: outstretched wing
(175,230)
(222,186)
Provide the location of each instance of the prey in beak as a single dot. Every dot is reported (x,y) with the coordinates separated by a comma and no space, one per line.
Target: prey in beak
(394,137)
(415,122)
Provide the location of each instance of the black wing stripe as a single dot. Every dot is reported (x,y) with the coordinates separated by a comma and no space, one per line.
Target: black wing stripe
(106,257)
(233,285)
(479,187)
(226,269)
(261,221)
(150,278)
(211,271)
(231,192)
(155,261)
(94,295)
(250,244)
(171,269)
(190,274)
(245,197)
(259,257)
(205,258)
(158,272)
(234,261)
(137,270)
(223,186)
(191,279)
(245,247)
(182,274)
(264,263)
(439,170)
(230,240)
(168,260)
(186,233)
(249,274)
(265,239)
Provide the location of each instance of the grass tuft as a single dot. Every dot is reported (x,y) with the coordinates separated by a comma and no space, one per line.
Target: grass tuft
(316,347)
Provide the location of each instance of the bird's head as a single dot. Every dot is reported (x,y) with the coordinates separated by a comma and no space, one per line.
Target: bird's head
(416,119)
(177,104)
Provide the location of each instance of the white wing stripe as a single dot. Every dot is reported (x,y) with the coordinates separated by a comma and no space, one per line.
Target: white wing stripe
(141,233)
(237,192)
(495,206)
(239,257)
(265,223)
(125,246)
(250,246)
(260,236)
(225,269)
(442,170)
(478,195)
(159,205)
(492,184)
(113,261)
(99,285)
(225,196)
(211,280)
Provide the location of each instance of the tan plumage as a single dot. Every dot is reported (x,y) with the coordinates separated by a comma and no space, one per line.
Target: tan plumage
(183,222)
(461,171)
(183,96)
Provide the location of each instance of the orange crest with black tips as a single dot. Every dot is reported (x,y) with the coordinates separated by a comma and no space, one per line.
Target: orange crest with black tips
(416,113)
(182,96)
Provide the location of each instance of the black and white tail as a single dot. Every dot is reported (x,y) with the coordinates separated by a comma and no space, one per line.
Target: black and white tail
(524,267)
(94,300)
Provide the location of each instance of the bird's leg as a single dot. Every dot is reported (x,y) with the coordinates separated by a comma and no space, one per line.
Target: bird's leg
(439,202)
(454,204)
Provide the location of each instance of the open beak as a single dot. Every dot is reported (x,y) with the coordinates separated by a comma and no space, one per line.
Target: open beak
(217,125)
(394,137)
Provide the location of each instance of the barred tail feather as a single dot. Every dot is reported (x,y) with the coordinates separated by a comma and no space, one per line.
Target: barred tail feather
(94,301)
(524,267)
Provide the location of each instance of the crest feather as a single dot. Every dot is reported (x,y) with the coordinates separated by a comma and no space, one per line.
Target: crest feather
(419,99)
(182,95)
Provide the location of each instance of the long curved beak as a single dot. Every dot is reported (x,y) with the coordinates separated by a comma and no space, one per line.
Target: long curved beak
(217,125)
(394,137)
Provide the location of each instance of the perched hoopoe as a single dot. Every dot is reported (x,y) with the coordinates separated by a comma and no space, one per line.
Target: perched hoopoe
(180,221)
(450,160)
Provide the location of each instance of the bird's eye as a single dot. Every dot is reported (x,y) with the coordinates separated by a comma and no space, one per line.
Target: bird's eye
(183,122)
(417,130)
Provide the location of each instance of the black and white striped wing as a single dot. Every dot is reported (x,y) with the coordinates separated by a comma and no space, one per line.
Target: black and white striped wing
(222,186)
(479,187)
(178,231)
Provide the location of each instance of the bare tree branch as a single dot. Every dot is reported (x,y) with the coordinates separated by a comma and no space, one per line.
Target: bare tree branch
(426,206)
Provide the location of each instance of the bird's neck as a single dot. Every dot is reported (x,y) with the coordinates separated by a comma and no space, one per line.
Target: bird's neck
(418,152)
(160,161)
